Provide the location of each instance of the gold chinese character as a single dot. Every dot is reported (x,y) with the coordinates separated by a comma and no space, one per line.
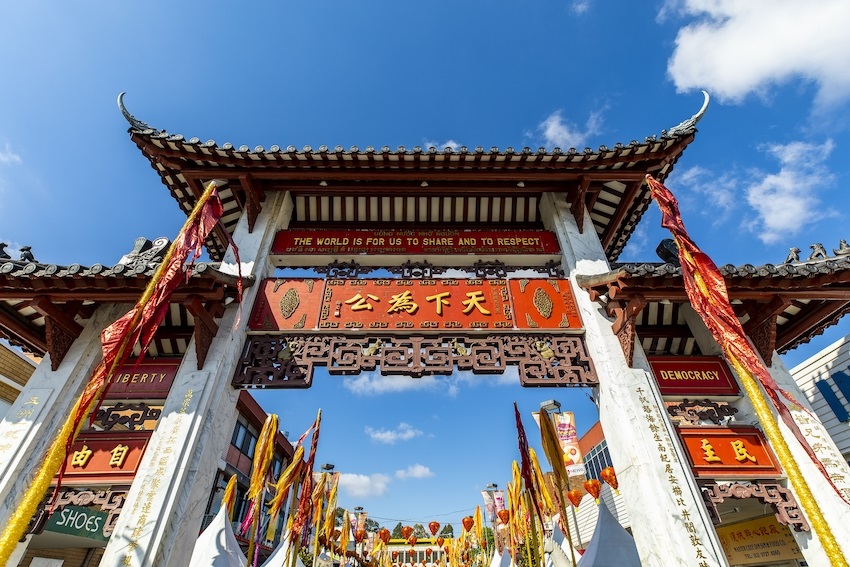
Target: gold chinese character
(741,453)
(710,455)
(119,453)
(402,302)
(439,298)
(81,457)
(474,301)
(33,401)
(361,303)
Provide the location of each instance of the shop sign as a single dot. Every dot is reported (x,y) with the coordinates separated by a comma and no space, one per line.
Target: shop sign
(740,452)
(760,541)
(416,304)
(106,457)
(80,521)
(419,242)
(693,376)
(152,378)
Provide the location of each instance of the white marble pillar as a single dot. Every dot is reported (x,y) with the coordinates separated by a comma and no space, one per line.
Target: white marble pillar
(162,515)
(670,523)
(35,418)
(836,512)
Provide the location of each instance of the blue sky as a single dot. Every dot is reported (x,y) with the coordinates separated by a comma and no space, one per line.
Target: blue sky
(767,171)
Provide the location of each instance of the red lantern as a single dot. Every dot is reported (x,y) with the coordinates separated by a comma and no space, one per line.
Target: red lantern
(428,552)
(412,540)
(609,476)
(593,487)
(575,496)
(395,555)
(385,535)
(434,526)
(468,522)
(359,535)
(412,553)
(406,532)
(446,548)
(504,516)
(440,541)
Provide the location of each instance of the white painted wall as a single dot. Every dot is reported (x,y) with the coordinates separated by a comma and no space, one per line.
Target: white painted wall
(832,359)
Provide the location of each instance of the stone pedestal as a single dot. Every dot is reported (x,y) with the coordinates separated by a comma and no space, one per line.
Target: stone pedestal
(669,521)
(162,515)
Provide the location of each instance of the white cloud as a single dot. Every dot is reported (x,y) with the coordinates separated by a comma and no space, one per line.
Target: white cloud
(781,199)
(369,384)
(404,432)
(8,156)
(559,133)
(364,486)
(736,48)
(414,471)
(580,6)
(719,193)
(453,144)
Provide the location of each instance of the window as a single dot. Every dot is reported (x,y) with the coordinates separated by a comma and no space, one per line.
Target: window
(597,459)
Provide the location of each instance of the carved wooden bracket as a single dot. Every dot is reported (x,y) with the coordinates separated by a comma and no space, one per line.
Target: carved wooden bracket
(60,328)
(205,325)
(624,314)
(253,200)
(761,326)
(769,492)
(579,202)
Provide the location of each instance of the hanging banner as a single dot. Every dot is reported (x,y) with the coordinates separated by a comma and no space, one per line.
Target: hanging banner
(693,376)
(441,241)
(568,438)
(760,541)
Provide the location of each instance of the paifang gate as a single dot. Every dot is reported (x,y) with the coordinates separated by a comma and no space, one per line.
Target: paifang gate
(415,327)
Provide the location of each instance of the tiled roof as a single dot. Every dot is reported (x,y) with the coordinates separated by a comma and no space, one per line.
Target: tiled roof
(29,291)
(611,177)
(809,296)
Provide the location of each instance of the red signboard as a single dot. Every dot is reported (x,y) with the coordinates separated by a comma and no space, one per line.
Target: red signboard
(740,452)
(150,379)
(544,303)
(693,376)
(420,241)
(106,457)
(415,304)
(287,304)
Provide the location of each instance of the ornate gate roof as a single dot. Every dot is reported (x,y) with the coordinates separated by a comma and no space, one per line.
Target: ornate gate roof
(382,185)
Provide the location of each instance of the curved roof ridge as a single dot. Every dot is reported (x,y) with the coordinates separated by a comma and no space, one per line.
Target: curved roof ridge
(682,129)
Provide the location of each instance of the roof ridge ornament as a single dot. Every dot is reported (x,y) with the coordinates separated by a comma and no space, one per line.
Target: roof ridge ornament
(135,123)
(689,124)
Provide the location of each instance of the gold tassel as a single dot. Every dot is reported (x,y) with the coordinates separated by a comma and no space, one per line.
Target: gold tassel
(789,464)
(229,497)
(263,456)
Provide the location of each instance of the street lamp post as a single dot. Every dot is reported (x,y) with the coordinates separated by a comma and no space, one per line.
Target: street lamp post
(491,514)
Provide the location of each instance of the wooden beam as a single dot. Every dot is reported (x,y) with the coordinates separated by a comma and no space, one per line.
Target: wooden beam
(253,199)
(801,326)
(623,207)
(205,326)
(578,205)
(23,332)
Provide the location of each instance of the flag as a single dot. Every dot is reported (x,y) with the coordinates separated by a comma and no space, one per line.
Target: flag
(708,296)
(117,341)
